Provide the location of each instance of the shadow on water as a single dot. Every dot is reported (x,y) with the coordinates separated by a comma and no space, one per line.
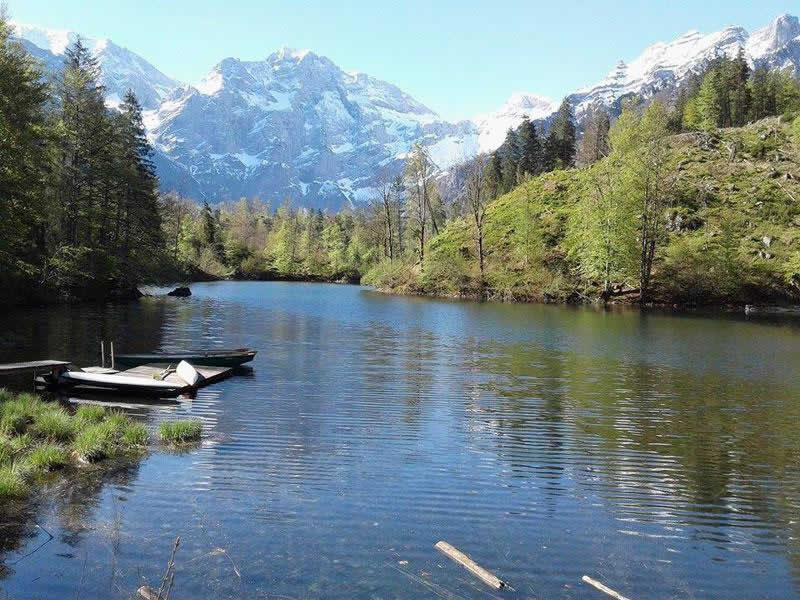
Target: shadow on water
(655,452)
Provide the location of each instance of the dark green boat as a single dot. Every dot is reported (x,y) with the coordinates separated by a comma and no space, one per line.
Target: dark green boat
(214,358)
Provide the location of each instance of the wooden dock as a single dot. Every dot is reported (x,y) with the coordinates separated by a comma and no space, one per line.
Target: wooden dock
(154,371)
(34,367)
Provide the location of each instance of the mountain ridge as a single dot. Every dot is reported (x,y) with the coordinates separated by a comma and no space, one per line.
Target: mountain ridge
(295,125)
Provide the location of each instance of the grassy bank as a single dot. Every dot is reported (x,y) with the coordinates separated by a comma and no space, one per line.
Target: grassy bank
(729,233)
(39,437)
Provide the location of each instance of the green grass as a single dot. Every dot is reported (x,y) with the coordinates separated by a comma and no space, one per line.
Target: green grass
(88,413)
(54,425)
(12,481)
(45,458)
(6,452)
(93,443)
(180,432)
(135,435)
(37,437)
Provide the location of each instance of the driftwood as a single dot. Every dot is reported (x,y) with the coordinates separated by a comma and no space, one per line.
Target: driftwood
(470,565)
(148,593)
(602,588)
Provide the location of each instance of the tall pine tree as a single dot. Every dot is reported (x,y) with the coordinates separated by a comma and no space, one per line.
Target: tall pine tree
(561,141)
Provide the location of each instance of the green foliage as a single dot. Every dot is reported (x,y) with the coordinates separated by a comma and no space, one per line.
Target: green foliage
(729,94)
(80,216)
(180,432)
(796,130)
(719,227)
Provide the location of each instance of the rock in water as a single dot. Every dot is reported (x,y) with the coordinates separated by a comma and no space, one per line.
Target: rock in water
(181,292)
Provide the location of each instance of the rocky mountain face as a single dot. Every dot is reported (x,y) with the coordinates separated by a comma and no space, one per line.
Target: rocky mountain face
(122,69)
(295,125)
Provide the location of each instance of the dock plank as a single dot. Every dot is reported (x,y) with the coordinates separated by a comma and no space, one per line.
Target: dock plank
(34,366)
(152,370)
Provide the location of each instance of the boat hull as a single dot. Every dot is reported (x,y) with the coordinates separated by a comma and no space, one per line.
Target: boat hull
(210,359)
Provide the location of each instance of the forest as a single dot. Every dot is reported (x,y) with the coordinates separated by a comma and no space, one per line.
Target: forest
(688,198)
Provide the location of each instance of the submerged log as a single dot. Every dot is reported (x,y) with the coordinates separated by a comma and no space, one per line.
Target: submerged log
(465,561)
(148,593)
(603,588)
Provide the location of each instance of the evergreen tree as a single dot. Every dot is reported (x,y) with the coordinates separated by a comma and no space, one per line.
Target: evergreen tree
(561,146)
(23,125)
(494,176)
(509,160)
(530,149)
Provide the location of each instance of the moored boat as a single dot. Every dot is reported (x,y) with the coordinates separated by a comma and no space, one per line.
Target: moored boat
(216,358)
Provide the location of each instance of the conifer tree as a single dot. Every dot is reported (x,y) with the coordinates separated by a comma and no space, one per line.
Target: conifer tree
(23,126)
(561,141)
(530,149)
(509,160)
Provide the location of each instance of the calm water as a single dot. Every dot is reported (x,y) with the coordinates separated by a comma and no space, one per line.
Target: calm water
(659,454)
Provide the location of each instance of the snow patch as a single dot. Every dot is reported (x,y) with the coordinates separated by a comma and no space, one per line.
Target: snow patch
(342,148)
(211,84)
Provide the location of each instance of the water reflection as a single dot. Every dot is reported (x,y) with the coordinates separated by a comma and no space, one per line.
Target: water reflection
(657,453)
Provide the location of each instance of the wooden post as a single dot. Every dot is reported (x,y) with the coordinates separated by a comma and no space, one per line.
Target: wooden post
(102,353)
(112,354)
(470,565)
(602,588)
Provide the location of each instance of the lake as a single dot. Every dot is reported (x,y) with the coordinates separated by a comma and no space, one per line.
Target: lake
(657,453)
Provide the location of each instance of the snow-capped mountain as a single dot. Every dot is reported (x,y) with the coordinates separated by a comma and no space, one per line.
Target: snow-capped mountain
(122,69)
(296,125)
(492,128)
(662,66)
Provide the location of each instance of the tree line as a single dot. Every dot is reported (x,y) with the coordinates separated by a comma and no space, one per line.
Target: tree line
(79,212)
(627,214)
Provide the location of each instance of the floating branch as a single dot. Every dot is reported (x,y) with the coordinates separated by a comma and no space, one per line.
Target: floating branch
(470,565)
(602,588)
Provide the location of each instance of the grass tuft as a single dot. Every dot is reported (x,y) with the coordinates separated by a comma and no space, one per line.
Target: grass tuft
(55,425)
(88,413)
(180,432)
(6,452)
(93,443)
(135,436)
(12,481)
(45,458)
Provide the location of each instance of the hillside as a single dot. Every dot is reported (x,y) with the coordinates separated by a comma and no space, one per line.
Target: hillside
(731,232)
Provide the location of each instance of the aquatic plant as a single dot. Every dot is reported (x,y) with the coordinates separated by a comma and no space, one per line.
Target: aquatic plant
(180,432)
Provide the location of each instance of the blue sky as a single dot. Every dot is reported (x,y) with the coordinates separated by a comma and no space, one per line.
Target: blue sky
(459,57)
